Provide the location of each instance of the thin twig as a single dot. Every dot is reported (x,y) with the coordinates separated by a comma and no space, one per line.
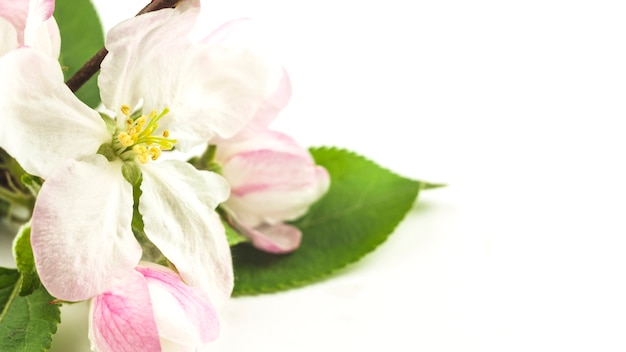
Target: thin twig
(93,65)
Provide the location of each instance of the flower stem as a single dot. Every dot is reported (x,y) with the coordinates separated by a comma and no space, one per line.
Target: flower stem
(93,65)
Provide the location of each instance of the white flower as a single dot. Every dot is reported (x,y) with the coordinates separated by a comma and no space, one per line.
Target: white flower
(81,226)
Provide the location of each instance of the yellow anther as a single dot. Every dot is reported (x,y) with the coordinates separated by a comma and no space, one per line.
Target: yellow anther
(126,139)
(143,158)
(140,121)
(129,122)
(142,153)
(125,110)
(166,133)
(155,152)
(139,149)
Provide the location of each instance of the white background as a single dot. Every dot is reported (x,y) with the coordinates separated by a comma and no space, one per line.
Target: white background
(518,106)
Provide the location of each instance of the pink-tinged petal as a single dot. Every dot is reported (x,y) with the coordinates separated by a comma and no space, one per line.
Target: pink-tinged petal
(121,319)
(273,104)
(208,90)
(270,108)
(49,35)
(33,25)
(8,37)
(36,30)
(43,123)
(44,37)
(278,238)
(183,313)
(271,187)
(81,229)
(177,205)
(16,12)
(222,32)
(261,140)
(40,11)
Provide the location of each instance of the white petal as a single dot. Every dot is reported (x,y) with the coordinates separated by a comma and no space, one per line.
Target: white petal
(81,233)
(217,93)
(43,123)
(209,90)
(129,53)
(8,37)
(177,205)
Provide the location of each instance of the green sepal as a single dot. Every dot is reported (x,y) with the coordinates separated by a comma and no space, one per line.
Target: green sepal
(25,261)
(131,172)
(110,123)
(27,323)
(363,206)
(206,161)
(107,151)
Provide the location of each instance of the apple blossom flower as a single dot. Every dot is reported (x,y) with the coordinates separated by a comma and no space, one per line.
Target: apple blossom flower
(273,179)
(29,23)
(150,310)
(81,226)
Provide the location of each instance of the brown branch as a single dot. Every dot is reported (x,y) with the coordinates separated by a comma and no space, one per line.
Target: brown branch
(93,65)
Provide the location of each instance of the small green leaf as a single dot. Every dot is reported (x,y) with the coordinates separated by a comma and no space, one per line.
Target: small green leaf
(26,323)
(361,209)
(81,38)
(23,253)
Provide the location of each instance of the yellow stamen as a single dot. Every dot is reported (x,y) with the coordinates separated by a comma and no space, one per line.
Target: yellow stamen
(155,152)
(139,136)
(125,110)
(126,139)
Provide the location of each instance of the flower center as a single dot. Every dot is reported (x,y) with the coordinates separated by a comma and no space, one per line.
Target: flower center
(138,139)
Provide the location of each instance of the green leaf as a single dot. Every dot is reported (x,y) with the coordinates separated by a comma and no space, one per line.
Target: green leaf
(26,323)
(233,236)
(361,209)
(81,38)
(23,253)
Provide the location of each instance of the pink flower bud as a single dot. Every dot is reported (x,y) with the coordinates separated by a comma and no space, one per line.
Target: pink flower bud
(273,180)
(151,310)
